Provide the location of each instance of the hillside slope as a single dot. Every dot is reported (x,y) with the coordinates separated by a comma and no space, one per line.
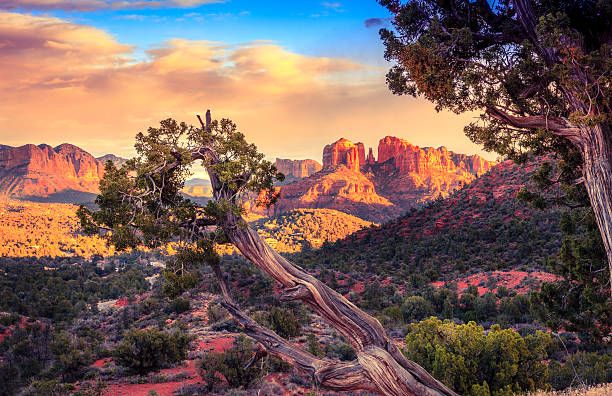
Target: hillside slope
(307,228)
(480,227)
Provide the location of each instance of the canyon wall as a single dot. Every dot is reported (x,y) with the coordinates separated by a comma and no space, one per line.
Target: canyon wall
(43,170)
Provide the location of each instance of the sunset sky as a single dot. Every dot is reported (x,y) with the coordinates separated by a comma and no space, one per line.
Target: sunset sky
(294,75)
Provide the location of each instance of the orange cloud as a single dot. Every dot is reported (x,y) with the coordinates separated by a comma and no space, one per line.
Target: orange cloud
(74,83)
(92,5)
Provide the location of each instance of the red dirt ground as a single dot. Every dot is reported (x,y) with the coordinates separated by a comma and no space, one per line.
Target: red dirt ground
(509,279)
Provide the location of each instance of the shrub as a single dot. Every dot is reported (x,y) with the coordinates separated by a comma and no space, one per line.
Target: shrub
(73,354)
(215,313)
(284,323)
(473,362)
(148,350)
(48,388)
(179,305)
(416,308)
(590,369)
(231,364)
(313,345)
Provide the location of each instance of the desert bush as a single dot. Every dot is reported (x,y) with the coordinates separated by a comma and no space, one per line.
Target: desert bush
(179,305)
(416,308)
(473,362)
(215,313)
(231,364)
(581,368)
(313,345)
(151,349)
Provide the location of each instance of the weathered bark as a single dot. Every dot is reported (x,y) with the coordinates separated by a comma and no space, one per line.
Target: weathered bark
(597,170)
(557,125)
(595,145)
(380,366)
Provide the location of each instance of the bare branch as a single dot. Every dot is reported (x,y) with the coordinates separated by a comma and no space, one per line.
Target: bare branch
(557,125)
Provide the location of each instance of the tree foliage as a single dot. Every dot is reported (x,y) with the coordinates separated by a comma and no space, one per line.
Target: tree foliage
(232,364)
(541,70)
(141,205)
(470,360)
(152,349)
(514,57)
(580,301)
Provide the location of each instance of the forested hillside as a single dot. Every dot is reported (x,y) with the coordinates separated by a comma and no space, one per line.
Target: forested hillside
(480,227)
(307,228)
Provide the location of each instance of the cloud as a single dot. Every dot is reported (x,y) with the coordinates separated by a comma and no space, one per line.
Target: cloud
(375,22)
(334,5)
(65,82)
(93,5)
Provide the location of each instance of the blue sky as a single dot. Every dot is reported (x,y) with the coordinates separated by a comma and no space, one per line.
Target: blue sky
(316,28)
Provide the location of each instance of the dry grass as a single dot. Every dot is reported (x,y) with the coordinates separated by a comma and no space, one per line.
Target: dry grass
(598,390)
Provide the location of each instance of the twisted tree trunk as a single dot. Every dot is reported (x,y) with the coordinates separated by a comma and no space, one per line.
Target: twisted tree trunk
(380,366)
(597,157)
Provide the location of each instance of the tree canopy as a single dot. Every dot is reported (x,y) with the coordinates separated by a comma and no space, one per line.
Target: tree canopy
(541,72)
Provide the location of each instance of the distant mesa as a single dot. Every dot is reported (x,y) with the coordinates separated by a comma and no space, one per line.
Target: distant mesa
(297,169)
(61,173)
(375,189)
(398,155)
(65,173)
(197,181)
(43,170)
(198,189)
(118,161)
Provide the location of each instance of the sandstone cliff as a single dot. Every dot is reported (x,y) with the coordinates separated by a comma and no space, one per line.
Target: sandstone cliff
(297,169)
(404,176)
(335,187)
(345,153)
(43,170)
(407,174)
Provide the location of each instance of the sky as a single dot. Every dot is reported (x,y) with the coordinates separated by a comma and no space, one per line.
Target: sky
(294,75)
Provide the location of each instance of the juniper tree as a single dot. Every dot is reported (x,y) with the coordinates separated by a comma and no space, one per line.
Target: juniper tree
(539,70)
(140,204)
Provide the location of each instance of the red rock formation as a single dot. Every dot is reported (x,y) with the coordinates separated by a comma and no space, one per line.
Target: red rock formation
(335,187)
(361,154)
(390,147)
(370,160)
(297,168)
(403,176)
(408,158)
(344,152)
(43,170)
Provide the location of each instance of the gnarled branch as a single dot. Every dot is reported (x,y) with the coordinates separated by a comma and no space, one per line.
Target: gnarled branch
(379,367)
(556,125)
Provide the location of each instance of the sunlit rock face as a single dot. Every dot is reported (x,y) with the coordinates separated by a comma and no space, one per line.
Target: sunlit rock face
(404,175)
(344,152)
(407,174)
(41,170)
(297,168)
